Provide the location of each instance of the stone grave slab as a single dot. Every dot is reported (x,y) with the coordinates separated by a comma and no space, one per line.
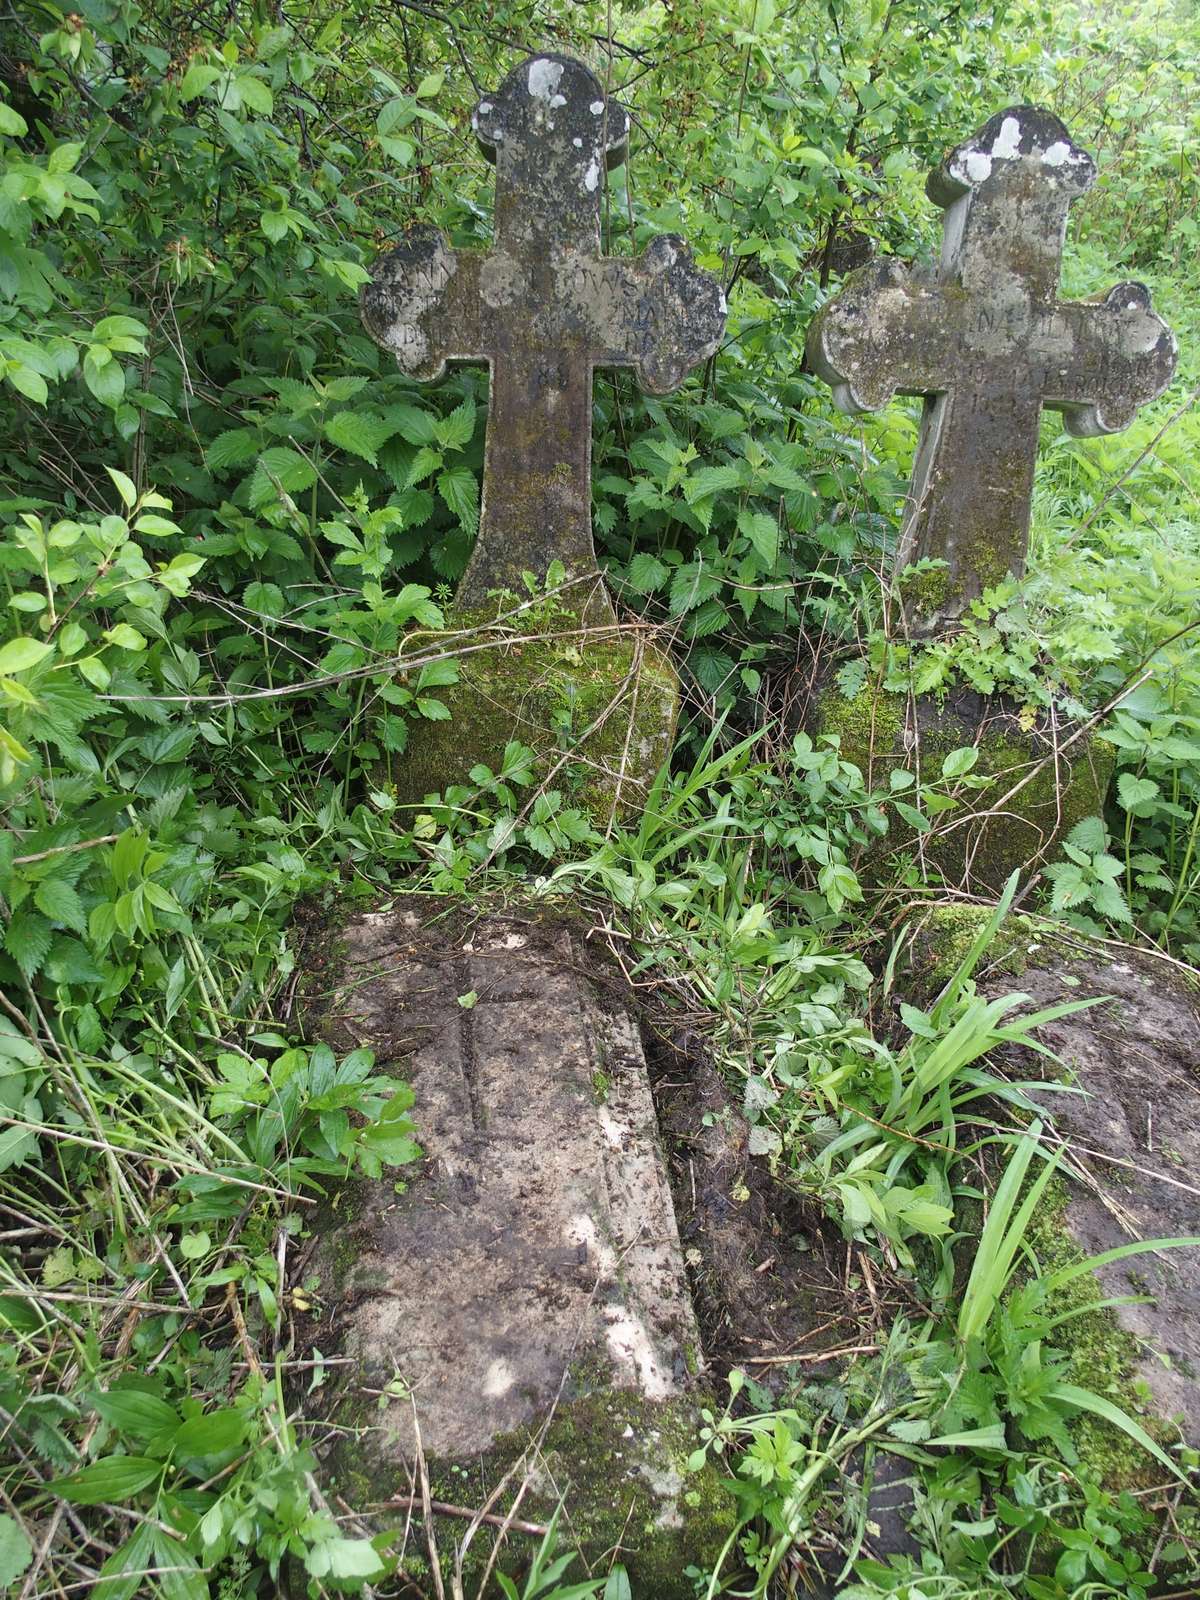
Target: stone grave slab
(527,1289)
(543,309)
(986,341)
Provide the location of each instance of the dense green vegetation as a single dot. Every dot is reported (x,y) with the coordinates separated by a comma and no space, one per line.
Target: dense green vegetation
(222,510)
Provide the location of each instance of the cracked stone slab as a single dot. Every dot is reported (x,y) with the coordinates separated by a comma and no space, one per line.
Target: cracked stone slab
(531,1275)
(987,342)
(543,308)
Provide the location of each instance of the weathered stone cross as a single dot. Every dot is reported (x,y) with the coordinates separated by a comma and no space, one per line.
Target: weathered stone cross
(544,308)
(988,343)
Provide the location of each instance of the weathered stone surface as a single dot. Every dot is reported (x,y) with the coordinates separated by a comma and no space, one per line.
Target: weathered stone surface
(544,308)
(987,342)
(547,692)
(528,1286)
(980,843)
(1137,1133)
(1134,1154)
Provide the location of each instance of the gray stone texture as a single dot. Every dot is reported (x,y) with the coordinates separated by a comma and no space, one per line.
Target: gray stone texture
(986,340)
(1135,1135)
(544,308)
(528,1286)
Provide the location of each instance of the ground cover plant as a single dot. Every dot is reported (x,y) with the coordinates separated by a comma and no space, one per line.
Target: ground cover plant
(221,513)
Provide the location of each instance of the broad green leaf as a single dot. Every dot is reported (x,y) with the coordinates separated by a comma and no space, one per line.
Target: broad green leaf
(115,1478)
(125,486)
(198,77)
(210,1435)
(19,655)
(16,1551)
(137,1414)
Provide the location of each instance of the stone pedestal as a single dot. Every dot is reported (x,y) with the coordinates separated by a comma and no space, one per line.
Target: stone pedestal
(978,844)
(607,701)
(524,1299)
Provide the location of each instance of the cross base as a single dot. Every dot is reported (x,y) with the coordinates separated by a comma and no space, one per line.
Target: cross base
(992,832)
(606,702)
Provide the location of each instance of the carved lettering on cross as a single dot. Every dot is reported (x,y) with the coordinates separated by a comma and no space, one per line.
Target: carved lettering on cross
(544,308)
(987,342)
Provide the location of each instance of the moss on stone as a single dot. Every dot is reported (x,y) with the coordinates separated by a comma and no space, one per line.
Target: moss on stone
(546,693)
(883,729)
(619,1462)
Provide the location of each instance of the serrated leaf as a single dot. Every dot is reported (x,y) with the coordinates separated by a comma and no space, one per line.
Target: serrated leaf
(458,429)
(27,940)
(1133,791)
(359,432)
(646,573)
(460,490)
(763,533)
(413,424)
(58,900)
(288,468)
(707,481)
(692,585)
(1089,834)
(236,447)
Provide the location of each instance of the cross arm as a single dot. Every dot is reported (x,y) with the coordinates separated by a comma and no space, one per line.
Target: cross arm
(660,314)
(423,304)
(886,332)
(1122,355)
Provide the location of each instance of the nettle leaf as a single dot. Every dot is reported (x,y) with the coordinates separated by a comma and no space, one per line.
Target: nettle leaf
(58,900)
(359,432)
(763,533)
(1090,834)
(458,429)
(280,468)
(1133,791)
(691,586)
(459,488)
(709,481)
(234,448)
(646,573)
(27,940)
(412,424)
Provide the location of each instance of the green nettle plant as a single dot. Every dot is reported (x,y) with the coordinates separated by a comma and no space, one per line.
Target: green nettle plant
(224,517)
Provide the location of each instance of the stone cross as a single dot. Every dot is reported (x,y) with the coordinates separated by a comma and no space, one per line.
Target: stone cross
(544,308)
(986,340)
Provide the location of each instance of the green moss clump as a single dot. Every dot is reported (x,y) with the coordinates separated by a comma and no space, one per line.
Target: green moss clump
(882,729)
(546,693)
(619,1460)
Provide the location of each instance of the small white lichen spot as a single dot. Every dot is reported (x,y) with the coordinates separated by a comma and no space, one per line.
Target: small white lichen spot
(724,303)
(1007,142)
(484,107)
(544,78)
(577,142)
(558,100)
(597,108)
(592,176)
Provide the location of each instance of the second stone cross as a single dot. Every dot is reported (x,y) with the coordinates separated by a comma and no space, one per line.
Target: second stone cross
(988,343)
(544,308)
